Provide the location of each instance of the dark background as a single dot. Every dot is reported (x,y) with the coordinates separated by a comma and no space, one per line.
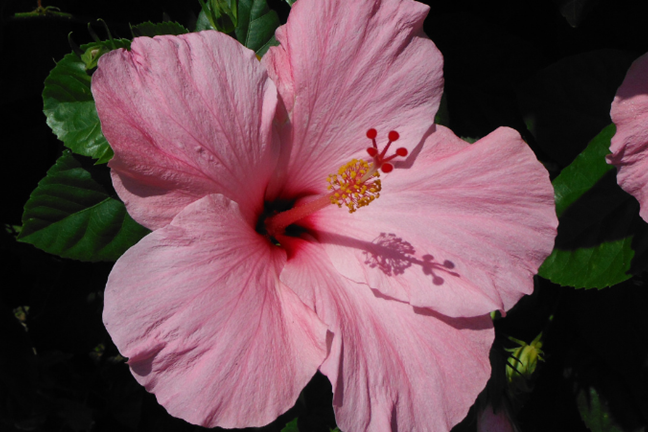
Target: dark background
(546,68)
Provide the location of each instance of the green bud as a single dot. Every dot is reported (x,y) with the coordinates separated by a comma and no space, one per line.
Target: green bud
(91,56)
(522,364)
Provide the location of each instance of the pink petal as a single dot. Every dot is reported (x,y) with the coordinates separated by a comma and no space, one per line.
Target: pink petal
(490,421)
(630,143)
(344,67)
(186,116)
(461,233)
(208,328)
(392,366)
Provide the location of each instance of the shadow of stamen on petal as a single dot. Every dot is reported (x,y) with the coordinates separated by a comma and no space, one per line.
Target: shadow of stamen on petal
(394,255)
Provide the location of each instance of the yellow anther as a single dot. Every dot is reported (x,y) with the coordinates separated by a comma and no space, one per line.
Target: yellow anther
(353,187)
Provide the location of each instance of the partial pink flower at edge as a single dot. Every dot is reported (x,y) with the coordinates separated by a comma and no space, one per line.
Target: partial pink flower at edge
(491,420)
(630,143)
(226,324)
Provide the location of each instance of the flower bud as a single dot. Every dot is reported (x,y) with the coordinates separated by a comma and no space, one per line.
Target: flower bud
(90,57)
(522,364)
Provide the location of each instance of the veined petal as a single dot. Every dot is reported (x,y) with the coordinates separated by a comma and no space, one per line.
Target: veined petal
(198,309)
(630,143)
(392,366)
(186,116)
(344,67)
(461,233)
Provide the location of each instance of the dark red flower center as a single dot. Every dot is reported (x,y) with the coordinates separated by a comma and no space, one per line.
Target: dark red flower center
(355,185)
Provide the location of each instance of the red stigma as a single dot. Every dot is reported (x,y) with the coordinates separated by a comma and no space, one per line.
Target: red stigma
(380,160)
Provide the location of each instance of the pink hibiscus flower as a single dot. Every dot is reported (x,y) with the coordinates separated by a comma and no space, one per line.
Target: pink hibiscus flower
(630,143)
(252,279)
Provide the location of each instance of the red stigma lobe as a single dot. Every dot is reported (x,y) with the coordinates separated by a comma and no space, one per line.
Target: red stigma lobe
(380,160)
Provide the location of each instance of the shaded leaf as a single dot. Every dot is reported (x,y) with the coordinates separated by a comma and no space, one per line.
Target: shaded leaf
(568,103)
(154,29)
(256,25)
(69,106)
(220,15)
(291,427)
(607,357)
(480,99)
(72,215)
(586,170)
(599,223)
(595,412)
(574,10)
(202,23)
(442,116)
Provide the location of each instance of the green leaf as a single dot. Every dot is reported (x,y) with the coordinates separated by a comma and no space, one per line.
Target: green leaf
(68,104)
(594,267)
(203,23)
(155,29)
(71,214)
(600,229)
(291,427)
(264,49)
(595,412)
(584,172)
(256,25)
(221,15)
